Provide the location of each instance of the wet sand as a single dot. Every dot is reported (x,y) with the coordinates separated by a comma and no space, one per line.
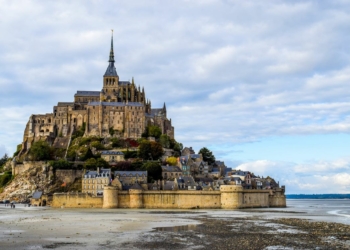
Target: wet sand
(290,228)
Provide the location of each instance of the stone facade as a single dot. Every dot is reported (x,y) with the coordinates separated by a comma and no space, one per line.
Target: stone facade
(120,109)
(228,197)
(93,182)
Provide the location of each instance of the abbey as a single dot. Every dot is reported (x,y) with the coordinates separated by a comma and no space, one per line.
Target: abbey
(120,109)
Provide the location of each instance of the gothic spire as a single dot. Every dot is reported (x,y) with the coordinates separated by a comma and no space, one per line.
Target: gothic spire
(111,53)
(111,70)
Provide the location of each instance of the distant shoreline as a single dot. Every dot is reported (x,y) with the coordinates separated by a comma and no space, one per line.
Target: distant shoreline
(318,196)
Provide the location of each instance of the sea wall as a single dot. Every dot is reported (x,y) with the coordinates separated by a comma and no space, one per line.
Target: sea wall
(76,200)
(229,197)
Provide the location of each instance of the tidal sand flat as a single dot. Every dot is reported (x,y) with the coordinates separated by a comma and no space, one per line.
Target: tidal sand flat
(302,225)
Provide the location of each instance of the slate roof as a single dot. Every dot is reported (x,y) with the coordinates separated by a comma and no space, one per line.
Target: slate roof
(111,153)
(156,111)
(171,169)
(136,186)
(116,104)
(111,70)
(37,194)
(92,174)
(63,104)
(124,83)
(87,93)
(128,173)
(205,179)
(215,170)
(240,172)
(188,180)
(169,185)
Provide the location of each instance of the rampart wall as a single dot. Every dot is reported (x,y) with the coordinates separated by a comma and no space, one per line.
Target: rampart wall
(76,200)
(229,197)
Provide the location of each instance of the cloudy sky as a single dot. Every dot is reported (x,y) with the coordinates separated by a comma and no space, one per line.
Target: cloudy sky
(263,84)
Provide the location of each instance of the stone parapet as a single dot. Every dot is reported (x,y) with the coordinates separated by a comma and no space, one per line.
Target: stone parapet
(229,197)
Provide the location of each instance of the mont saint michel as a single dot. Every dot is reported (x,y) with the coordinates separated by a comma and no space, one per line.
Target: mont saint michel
(120,108)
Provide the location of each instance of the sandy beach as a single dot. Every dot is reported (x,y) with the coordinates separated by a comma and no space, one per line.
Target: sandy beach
(296,227)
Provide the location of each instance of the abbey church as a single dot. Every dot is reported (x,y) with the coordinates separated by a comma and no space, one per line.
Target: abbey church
(120,109)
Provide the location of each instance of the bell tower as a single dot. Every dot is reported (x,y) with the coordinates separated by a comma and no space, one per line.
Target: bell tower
(110,88)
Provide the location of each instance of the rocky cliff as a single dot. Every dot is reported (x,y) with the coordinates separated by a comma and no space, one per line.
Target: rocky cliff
(40,178)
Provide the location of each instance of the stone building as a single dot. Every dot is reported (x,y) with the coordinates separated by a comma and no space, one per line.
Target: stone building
(128,178)
(171,172)
(120,109)
(94,181)
(112,157)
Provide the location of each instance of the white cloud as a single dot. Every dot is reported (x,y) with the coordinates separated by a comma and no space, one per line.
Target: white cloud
(313,177)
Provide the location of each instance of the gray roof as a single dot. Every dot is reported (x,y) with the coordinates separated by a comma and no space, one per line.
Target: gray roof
(132,173)
(60,104)
(37,194)
(124,83)
(111,153)
(240,172)
(111,70)
(188,180)
(92,174)
(171,169)
(156,111)
(87,93)
(116,104)
(169,185)
(136,186)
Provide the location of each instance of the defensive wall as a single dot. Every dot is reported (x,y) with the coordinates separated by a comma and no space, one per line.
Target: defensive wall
(229,197)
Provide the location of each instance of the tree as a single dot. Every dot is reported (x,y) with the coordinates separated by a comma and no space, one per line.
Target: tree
(115,143)
(156,150)
(123,166)
(154,170)
(90,163)
(145,150)
(165,141)
(150,150)
(61,164)
(101,163)
(154,131)
(98,145)
(207,155)
(172,161)
(41,151)
(4,159)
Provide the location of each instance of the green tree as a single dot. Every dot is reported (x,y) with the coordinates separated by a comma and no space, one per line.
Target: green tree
(90,163)
(154,170)
(101,163)
(41,151)
(207,155)
(97,144)
(61,164)
(154,131)
(115,143)
(150,150)
(165,141)
(4,159)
